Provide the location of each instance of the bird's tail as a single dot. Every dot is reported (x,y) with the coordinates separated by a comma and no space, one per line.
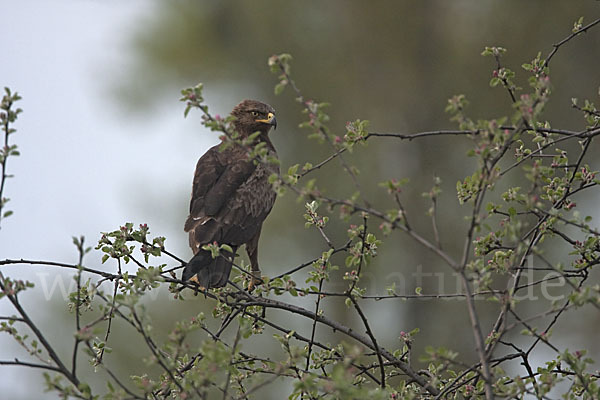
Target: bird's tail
(210,272)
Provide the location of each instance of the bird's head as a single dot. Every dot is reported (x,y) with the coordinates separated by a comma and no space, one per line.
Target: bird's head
(252,116)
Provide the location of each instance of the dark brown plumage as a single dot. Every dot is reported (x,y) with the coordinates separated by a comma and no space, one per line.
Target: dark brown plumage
(231,197)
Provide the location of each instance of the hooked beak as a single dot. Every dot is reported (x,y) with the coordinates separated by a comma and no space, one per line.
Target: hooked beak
(271,120)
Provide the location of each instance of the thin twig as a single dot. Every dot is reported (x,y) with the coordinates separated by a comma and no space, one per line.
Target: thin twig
(40,336)
(556,46)
(369,332)
(81,251)
(314,326)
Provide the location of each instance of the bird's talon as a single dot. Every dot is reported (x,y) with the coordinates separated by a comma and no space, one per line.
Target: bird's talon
(254,281)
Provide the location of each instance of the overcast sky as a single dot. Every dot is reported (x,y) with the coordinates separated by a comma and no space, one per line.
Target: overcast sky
(85,166)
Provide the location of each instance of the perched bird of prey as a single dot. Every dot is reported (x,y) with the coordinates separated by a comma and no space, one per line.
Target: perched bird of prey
(231,197)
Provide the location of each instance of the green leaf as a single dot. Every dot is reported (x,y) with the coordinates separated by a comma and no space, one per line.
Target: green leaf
(226,247)
(279,88)
(293,169)
(494,82)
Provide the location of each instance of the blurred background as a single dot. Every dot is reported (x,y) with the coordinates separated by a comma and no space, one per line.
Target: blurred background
(103,140)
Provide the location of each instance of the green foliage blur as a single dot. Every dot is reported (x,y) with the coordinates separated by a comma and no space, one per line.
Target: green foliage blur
(393,63)
(384,67)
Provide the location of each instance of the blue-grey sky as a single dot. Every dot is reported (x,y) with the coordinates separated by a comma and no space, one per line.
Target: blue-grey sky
(85,166)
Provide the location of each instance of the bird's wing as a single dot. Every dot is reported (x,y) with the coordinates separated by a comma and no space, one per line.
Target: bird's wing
(208,170)
(236,173)
(217,177)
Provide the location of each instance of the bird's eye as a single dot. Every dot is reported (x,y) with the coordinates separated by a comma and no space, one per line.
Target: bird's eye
(255,113)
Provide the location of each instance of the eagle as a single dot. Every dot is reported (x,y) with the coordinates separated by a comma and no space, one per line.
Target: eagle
(231,197)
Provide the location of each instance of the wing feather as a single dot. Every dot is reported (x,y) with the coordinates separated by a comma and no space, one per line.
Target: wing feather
(219,174)
(232,178)
(208,170)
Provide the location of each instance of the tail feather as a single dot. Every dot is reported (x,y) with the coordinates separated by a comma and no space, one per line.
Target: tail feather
(219,273)
(210,272)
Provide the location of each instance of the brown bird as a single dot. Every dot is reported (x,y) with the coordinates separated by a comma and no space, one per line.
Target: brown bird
(231,197)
